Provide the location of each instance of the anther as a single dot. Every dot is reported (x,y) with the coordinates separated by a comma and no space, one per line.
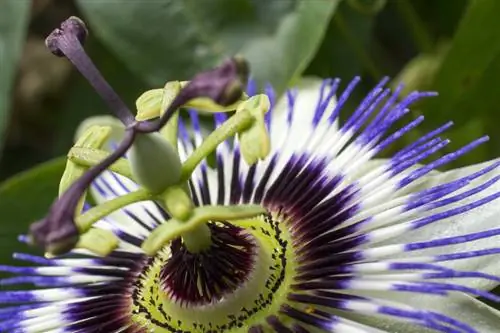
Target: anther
(224,85)
(58,233)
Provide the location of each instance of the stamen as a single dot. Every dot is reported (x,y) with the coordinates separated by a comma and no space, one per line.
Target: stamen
(68,41)
(224,85)
(57,233)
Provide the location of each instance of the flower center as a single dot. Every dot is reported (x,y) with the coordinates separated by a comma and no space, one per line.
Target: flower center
(206,277)
(242,279)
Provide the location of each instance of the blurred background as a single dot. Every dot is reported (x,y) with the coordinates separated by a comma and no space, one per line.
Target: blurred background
(449,46)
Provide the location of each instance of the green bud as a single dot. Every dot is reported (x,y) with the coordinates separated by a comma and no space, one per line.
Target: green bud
(255,142)
(154,162)
(178,202)
(99,241)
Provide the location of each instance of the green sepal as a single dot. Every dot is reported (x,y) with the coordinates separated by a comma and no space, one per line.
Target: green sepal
(174,228)
(92,156)
(93,137)
(116,127)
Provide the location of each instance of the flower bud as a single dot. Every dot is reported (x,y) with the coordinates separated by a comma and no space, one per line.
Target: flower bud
(93,137)
(154,162)
(73,27)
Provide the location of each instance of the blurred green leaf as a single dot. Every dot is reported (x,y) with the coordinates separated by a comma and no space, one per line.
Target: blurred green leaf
(14,16)
(440,16)
(344,52)
(467,81)
(173,40)
(24,199)
(420,72)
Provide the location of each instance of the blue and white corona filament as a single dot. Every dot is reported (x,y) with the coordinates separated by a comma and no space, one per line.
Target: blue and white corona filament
(349,244)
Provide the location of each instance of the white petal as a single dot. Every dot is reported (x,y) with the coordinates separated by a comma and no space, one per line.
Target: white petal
(110,185)
(466,309)
(476,220)
(307,95)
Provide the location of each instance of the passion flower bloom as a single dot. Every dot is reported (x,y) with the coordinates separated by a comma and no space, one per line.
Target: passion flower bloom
(347,242)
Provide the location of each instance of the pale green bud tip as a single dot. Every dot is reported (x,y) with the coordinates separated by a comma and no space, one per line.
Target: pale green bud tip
(152,103)
(149,104)
(98,241)
(154,162)
(254,141)
(117,128)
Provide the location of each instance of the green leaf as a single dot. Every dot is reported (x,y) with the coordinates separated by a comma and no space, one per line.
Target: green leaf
(24,199)
(172,40)
(468,79)
(13,23)
(344,52)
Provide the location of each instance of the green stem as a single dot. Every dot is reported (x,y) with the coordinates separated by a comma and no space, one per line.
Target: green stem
(237,123)
(198,239)
(87,219)
(358,48)
(421,36)
(174,228)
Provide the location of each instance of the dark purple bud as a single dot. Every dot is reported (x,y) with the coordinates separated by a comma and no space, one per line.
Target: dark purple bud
(67,41)
(58,233)
(74,27)
(224,85)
